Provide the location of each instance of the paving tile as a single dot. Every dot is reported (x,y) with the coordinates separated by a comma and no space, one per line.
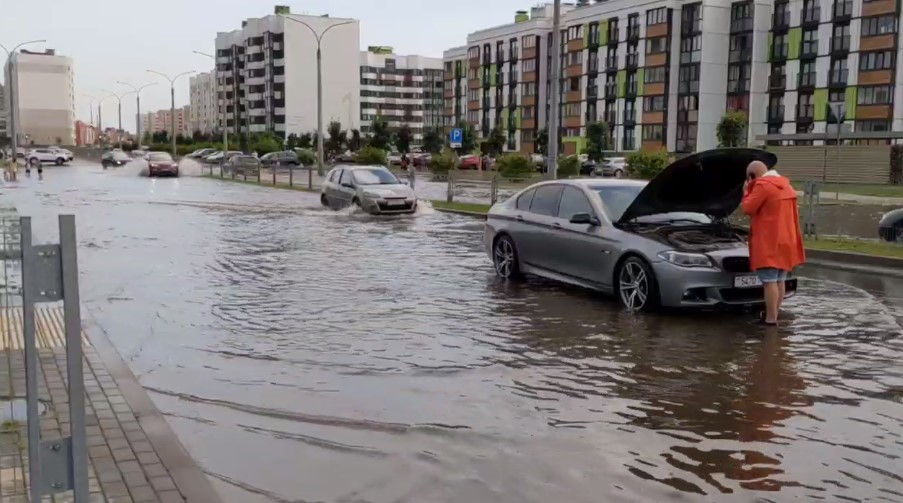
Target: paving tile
(162,483)
(115,489)
(145,494)
(124,455)
(148,458)
(129,466)
(171,497)
(155,470)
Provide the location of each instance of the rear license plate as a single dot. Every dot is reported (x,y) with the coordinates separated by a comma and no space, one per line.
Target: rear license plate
(395,202)
(749,281)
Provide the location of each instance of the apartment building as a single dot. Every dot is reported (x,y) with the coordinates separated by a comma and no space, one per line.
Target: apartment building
(4,133)
(403,90)
(454,87)
(202,98)
(43,96)
(269,72)
(161,120)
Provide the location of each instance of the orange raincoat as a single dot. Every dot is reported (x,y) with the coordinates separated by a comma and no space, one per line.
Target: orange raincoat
(775,239)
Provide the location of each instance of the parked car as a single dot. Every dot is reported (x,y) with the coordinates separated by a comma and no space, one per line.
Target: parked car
(394,158)
(663,243)
(613,166)
(242,165)
(38,156)
(469,162)
(216,157)
(114,158)
(372,188)
(66,153)
(422,160)
(201,153)
(346,157)
(286,158)
(161,163)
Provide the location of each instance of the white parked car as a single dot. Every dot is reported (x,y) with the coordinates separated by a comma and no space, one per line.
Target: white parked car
(394,158)
(613,166)
(40,156)
(68,153)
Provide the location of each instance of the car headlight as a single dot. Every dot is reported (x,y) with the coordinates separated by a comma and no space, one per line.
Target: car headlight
(372,195)
(686,259)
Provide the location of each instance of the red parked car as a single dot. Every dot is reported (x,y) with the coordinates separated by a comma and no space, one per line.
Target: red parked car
(161,163)
(469,162)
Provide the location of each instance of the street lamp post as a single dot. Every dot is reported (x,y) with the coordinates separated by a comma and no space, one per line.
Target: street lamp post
(216,94)
(319,38)
(172,106)
(13,116)
(118,97)
(554,115)
(137,91)
(100,112)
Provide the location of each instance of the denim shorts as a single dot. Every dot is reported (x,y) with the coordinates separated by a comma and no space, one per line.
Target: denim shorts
(771,275)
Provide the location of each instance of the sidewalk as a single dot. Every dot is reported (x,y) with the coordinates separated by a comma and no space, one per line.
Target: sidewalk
(134,455)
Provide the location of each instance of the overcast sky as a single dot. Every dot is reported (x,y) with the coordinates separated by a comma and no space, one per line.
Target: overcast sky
(114,40)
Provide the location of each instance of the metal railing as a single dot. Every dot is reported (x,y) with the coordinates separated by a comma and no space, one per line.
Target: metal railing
(455,181)
(276,176)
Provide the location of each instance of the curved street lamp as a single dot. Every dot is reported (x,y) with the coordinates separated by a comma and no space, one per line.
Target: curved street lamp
(216,94)
(118,97)
(13,116)
(319,38)
(137,91)
(172,106)
(100,110)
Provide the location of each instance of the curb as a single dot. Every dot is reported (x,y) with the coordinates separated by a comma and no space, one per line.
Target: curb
(859,259)
(471,214)
(184,470)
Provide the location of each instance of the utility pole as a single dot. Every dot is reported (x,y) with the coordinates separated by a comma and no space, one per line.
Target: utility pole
(172,106)
(13,106)
(119,110)
(554,116)
(319,37)
(137,91)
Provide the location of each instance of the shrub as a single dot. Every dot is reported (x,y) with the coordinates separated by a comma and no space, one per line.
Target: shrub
(443,162)
(306,156)
(568,166)
(371,155)
(896,164)
(161,147)
(183,150)
(266,145)
(515,166)
(646,164)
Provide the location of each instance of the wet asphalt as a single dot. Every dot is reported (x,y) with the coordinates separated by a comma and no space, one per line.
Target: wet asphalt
(308,355)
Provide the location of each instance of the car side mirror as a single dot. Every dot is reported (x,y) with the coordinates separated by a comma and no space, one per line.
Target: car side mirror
(348,184)
(584,219)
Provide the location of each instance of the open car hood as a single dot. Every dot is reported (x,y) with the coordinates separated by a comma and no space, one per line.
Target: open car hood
(709,182)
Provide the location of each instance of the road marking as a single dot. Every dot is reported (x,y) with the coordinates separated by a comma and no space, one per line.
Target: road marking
(49,328)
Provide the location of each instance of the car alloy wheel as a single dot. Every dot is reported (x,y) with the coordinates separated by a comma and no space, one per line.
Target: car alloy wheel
(504,258)
(323,200)
(637,287)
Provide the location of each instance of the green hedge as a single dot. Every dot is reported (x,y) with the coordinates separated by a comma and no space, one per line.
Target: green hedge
(372,155)
(515,166)
(568,166)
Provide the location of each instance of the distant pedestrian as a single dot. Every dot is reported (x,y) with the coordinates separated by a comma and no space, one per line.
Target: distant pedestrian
(412,174)
(775,241)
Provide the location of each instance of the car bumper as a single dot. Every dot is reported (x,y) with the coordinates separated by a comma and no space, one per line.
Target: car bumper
(688,287)
(387,207)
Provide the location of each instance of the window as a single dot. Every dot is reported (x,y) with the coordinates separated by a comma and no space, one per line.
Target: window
(653,132)
(529,89)
(741,10)
(656,45)
(545,201)
(654,104)
(810,42)
(345,177)
(523,202)
(655,74)
(691,44)
(629,138)
(575,58)
(688,103)
(571,110)
(573,202)
(529,65)
(573,84)
(879,25)
(575,32)
(656,16)
(529,41)
(332,175)
(876,95)
(881,60)
(873,126)
(594,33)
(529,113)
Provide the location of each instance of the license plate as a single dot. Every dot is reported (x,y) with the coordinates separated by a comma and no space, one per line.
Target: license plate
(392,202)
(747,281)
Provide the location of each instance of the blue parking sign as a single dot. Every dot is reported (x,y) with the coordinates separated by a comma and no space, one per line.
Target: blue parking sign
(456,138)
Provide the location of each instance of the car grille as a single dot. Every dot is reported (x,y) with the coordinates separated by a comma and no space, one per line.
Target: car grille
(384,206)
(736,264)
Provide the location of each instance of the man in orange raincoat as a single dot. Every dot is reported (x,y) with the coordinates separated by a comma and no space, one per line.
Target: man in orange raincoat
(775,241)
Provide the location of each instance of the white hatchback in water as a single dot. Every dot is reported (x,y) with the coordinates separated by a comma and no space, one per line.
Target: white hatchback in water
(374,189)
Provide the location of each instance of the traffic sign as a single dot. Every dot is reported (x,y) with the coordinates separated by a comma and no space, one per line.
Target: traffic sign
(456,138)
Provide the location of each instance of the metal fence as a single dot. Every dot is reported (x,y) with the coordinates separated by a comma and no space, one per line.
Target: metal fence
(35,274)
(284,176)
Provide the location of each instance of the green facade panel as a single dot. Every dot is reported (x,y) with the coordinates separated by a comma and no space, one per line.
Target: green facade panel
(796,38)
(585,36)
(493,68)
(622,83)
(603,32)
(820,102)
(770,45)
(850,99)
(640,75)
(517,118)
(579,140)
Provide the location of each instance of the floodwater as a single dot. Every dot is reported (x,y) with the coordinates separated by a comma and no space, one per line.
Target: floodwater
(309,355)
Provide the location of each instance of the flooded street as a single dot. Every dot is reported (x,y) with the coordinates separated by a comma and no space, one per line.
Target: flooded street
(308,355)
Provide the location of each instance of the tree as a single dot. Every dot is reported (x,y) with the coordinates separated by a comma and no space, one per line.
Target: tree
(645,164)
(443,162)
(382,136)
(598,139)
(403,139)
(291,141)
(305,141)
(371,156)
(355,142)
(160,137)
(515,166)
(568,166)
(338,137)
(732,129)
(468,137)
(495,144)
(542,141)
(265,144)
(432,141)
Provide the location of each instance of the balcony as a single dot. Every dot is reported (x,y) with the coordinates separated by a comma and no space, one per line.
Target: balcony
(738,86)
(633,32)
(592,92)
(806,80)
(777,82)
(631,90)
(690,27)
(629,144)
(838,78)
(486,103)
(611,63)
(633,59)
(611,118)
(775,113)
(738,55)
(840,44)
(779,52)
(809,49)
(810,15)
(629,117)
(805,112)
(691,86)
(613,36)
(611,91)
(690,57)
(687,115)
(781,20)
(843,10)
(742,24)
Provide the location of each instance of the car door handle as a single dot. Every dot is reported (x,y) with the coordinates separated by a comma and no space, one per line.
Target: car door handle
(556,226)
(519,218)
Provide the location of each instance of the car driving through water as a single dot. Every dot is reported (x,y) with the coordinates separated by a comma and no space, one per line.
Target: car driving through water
(668,242)
(372,188)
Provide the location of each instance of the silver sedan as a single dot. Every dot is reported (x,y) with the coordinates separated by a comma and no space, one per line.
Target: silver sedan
(372,188)
(667,242)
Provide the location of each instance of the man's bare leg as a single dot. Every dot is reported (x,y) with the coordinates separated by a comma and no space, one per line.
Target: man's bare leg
(782,288)
(772,296)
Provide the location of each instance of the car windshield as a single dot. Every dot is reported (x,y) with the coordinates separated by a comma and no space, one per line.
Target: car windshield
(120,156)
(616,199)
(160,156)
(374,177)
